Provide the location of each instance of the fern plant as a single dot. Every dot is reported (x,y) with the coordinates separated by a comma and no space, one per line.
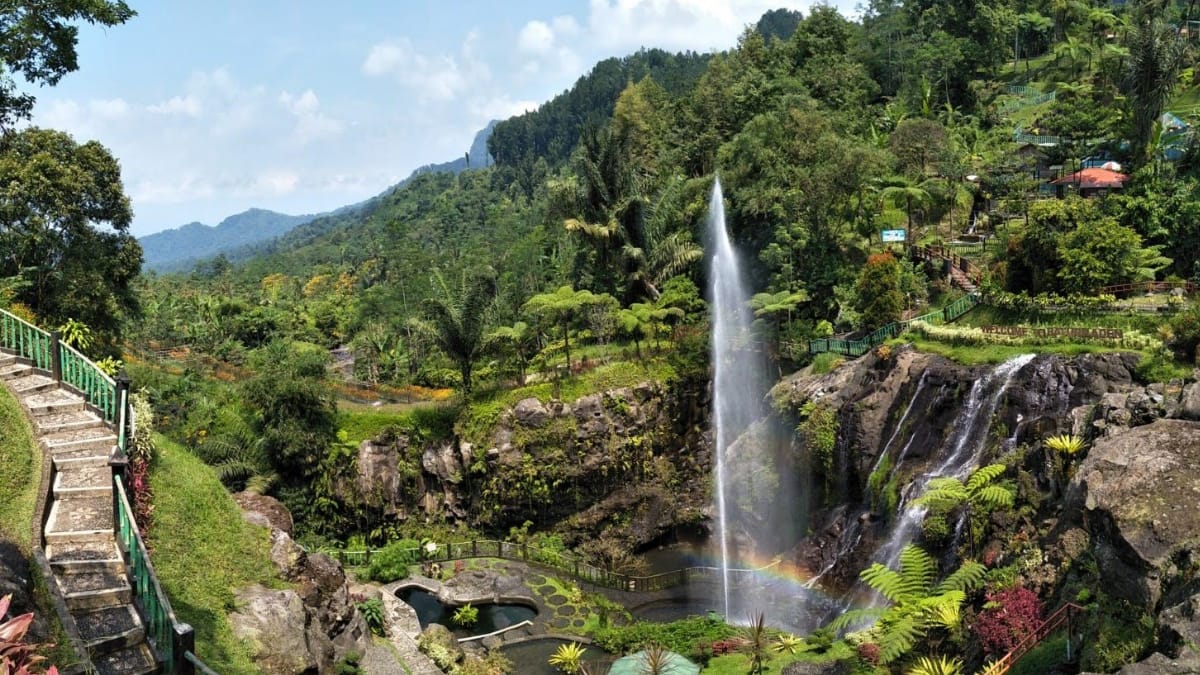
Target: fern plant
(980,491)
(917,604)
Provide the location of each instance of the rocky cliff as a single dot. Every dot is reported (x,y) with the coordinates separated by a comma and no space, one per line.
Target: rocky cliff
(625,466)
(1115,527)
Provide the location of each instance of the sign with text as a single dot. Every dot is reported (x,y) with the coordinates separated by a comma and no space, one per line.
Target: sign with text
(1086,333)
(892,235)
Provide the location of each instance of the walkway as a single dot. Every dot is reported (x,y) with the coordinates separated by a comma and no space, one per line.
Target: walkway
(89,569)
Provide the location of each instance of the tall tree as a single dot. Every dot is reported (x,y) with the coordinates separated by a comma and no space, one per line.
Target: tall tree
(1155,57)
(37,41)
(458,319)
(64,221)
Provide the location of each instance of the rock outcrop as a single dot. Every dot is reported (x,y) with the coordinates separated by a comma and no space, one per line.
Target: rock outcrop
(1138,490)
(307,628)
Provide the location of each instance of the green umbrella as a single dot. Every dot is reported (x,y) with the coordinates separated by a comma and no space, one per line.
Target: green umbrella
(638,664)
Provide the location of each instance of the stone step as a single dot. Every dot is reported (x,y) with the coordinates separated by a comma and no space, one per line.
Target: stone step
(85,555)
(109,629)
(6,358)
(52,422)
(82,457)
(95,438)
(80,519)
(93,589)
(83,480)
(30,383)
(52,401)
(11,369)
(136,660)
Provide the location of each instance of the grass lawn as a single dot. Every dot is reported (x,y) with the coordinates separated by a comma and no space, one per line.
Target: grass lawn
(202,551)
(20,478)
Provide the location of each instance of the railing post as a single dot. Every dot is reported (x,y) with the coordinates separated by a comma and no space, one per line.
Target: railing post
(55,357)
(184,639)
(122,411)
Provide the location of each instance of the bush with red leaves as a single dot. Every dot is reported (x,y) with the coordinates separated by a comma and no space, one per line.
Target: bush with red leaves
(727,646)
(869,652)
(1010,616)
(139,483)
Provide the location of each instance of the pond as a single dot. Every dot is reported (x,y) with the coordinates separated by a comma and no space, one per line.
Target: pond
(492,616)
(532,657)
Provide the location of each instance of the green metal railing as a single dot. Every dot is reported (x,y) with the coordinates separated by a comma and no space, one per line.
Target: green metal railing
(173,641)
(25,340)
(63,362)
(863,345)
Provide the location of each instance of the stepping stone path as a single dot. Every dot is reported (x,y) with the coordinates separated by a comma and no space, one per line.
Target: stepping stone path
(81,546)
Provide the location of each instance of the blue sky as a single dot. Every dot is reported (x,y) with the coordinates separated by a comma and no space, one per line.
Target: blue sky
(300,106)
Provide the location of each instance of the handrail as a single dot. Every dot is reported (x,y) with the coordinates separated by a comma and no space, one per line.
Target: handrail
(1149,287)
(1062,616)
(515,626)
(172,639)
(62,361)
(566,562)
(199,665)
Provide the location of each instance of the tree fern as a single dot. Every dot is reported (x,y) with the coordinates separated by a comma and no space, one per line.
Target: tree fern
(983,476)
(917,568)
(995,496)
(968,577)
(887,582)
(948,492)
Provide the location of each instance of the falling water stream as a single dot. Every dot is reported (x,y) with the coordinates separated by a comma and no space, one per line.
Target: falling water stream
(739,382)
(963,456)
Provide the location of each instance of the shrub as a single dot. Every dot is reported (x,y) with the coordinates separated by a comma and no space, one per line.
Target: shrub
(1008,617)
(17,656)
(392,563)
(372,611)
(466,616)
(568,658)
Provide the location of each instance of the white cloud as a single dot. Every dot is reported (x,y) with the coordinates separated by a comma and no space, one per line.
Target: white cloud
(187,105)
(113,109)
(501,107)
(536,38)
(436,78)
(276,181)
(311,123)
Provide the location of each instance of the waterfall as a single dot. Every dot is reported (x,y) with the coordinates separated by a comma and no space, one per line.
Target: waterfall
(963,456)
(739,382)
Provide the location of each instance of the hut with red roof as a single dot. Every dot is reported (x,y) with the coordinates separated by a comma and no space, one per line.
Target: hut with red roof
(1091,182)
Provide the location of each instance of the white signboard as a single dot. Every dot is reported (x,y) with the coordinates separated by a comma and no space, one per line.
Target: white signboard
(892,235)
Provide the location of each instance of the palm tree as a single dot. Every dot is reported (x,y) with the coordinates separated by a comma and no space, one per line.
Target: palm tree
(1155,57)
(903,192)
(456,320)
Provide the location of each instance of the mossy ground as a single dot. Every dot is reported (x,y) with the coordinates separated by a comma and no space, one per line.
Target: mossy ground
(20,478)
(203,551)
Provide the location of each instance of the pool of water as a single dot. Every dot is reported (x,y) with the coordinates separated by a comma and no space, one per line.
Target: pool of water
(532,657)
(492,616)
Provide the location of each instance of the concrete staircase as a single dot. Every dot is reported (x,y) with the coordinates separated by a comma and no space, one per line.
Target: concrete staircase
(81,546)
(960,278)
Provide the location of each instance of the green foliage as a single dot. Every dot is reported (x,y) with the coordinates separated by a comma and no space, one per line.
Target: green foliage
(879,300)
(942,665)
(203,550)
(392,562)
(457,320)
(372,611)
(1118,634)
(68,237)
(568,658)
(685,636)
(819,428)
(19,482)
(466,616)
(1067,444)
(980,490)
(917,606)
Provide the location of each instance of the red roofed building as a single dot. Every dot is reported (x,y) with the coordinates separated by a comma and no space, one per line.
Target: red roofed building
(1091,182)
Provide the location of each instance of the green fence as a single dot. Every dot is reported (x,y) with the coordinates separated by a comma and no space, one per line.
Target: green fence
(173,641)
(44,350)
(563,561)
(862,345)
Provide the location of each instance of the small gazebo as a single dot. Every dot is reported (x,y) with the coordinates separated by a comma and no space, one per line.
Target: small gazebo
(1091,182)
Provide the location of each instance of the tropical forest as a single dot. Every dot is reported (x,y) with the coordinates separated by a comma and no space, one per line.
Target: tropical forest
(864,343)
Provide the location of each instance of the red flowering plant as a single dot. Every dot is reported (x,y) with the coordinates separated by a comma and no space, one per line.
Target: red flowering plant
(1009,617)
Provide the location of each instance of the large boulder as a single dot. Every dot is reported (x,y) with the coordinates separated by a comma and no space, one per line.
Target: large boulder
(332,612)
(264,511)
(378,473)
(274,626)
(529,412)
(1137,493)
